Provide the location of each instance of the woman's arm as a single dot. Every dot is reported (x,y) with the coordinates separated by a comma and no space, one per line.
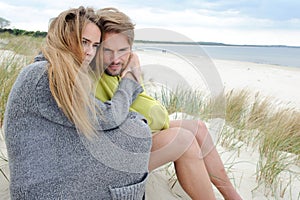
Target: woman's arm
(115,111)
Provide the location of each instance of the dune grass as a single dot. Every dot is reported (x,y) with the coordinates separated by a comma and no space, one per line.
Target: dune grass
(21,45)
(257,121)
(9,69)
(3,163)
(15,53)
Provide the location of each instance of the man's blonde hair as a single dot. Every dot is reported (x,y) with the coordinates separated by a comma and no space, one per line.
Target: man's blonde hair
(114,21)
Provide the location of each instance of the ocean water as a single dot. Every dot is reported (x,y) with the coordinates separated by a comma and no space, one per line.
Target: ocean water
(283,56)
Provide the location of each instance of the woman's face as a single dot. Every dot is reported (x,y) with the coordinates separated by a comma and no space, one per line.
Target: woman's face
(90,41)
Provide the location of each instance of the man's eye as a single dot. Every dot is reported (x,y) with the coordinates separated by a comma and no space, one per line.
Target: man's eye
(107,50)
(123,50)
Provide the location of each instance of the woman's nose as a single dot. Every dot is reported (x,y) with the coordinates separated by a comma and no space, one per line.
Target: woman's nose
(89,50)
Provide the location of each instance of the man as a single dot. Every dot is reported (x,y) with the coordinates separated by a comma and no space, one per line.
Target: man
(117,47)
(178,141)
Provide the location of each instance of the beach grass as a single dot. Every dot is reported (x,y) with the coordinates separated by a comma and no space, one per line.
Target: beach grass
(4,162)
(9,69)
(251,119)
(16,52)
(185,101)
(260,122)
(21,45)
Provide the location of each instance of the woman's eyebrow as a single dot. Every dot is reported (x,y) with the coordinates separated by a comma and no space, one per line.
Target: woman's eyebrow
(90,41)
(86,39)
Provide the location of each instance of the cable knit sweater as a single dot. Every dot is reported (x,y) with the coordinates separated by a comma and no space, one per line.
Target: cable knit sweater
(49,159)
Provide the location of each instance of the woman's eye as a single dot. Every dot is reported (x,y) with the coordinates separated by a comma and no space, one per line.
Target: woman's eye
(84,42)
(96,46)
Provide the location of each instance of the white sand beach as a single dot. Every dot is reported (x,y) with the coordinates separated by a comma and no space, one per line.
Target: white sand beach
(278,82)
(282,83)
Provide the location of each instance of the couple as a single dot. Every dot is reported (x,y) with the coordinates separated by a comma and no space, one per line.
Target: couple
(52,121)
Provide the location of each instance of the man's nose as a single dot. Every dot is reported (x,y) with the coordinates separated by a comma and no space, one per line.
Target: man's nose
(115,56)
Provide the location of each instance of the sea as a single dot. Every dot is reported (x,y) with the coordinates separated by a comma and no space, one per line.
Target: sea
(274,55)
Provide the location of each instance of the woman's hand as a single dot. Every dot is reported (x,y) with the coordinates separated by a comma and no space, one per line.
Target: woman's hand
(133,68)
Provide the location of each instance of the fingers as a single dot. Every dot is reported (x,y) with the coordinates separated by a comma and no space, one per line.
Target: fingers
(134,60)
(133,66)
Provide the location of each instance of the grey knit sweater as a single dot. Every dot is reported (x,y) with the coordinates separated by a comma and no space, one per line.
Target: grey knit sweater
(49,159)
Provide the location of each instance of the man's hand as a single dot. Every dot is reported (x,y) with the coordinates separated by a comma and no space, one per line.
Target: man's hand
(133,68)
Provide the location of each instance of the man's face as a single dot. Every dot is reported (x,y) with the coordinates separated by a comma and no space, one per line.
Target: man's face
(116,52)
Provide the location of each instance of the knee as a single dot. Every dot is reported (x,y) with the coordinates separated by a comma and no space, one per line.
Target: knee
(185,137)
(192,152)
(188,141)
(202,130)
(201,126)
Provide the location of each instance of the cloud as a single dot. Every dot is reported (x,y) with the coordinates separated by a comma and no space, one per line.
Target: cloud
(205,18)
(26,17)
(227,27)
(201,20)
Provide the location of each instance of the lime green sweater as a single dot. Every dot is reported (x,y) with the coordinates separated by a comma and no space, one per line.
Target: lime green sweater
(155,113)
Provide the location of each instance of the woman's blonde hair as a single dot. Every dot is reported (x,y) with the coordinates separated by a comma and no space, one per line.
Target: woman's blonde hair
(69,80)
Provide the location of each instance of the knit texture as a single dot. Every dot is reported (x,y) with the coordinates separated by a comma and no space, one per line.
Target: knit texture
(49,159)
(156,114)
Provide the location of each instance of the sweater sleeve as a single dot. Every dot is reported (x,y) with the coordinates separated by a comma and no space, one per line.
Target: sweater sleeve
(155,113)
(114,112)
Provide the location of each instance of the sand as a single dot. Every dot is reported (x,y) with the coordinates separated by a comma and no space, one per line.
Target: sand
(279,82)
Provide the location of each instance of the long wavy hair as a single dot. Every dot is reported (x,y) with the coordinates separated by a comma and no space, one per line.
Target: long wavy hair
(69,80)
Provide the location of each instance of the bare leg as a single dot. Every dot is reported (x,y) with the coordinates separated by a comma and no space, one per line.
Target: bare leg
(179,145)
(213,162)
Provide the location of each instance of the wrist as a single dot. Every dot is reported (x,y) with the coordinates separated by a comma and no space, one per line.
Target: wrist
(130,74)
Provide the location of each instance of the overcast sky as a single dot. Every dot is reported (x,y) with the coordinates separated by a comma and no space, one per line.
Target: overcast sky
(263,22)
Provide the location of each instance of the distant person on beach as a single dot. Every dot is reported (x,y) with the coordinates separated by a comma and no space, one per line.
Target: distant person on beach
(185,142)
(62,142)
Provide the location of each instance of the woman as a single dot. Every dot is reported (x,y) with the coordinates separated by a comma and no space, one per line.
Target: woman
(62,142)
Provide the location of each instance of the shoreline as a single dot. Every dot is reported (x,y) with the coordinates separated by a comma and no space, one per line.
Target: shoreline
(270,80)
(273,55)
(277,82)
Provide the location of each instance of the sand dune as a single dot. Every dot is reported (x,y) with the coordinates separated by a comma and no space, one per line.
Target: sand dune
(282,83)
(278,82)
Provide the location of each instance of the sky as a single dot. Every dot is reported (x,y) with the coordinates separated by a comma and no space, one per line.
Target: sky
(251,22)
